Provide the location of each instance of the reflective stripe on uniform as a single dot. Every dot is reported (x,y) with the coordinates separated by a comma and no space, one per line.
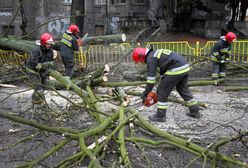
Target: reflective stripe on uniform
(156,53)
(213,58)
(159,52)
(162,105)
(215,53)
(222,74)
(215,75)
(174,71)
(224,50)
(151,79)
(66,39)
(179,70)
(191,103)
(66,36)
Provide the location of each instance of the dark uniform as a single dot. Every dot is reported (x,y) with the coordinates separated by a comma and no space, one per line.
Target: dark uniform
(39,55)
(68,46)
(174,71)
(220,54)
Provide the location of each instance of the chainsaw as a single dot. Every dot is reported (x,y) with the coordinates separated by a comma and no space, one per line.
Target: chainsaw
(151,99)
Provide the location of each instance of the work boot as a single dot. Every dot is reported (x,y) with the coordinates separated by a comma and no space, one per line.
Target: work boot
(194,112)
(159,116)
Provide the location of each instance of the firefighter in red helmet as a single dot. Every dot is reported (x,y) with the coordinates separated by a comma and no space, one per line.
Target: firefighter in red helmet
(174,71)
(41,58)
(220,54)
(69,44)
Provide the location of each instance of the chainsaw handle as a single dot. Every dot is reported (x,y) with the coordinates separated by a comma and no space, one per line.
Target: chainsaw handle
(143,97)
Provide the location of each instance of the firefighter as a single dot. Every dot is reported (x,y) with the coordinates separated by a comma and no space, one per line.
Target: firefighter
(174,71)
(220,54)
(69,44)
(40,60)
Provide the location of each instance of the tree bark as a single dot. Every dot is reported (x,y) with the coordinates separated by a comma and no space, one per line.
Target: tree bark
(26,45)
(114,38)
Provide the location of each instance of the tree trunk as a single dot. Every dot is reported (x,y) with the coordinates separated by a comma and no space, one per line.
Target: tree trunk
(16,44)
(26,46)
(114,38)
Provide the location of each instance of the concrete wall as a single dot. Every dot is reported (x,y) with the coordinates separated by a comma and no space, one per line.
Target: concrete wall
(119,16)
(6,13)
(242,27)
(38,12)
(211,25)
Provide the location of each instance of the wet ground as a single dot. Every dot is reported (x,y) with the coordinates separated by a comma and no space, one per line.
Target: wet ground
(225,116)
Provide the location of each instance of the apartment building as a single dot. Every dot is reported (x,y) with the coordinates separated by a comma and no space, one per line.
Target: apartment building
(37,13)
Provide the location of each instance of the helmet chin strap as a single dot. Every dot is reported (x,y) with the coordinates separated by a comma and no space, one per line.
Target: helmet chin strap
(147,50)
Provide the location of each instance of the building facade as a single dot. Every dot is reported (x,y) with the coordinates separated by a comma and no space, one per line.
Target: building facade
(110,17)
(99,17)
(37,14)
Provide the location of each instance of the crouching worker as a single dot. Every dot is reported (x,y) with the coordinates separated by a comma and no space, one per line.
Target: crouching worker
(220,54)
(40,60)
(174,71)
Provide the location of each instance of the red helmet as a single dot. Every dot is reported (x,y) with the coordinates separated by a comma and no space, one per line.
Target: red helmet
(139,55)
(73,29)
(230,37)
(46,38)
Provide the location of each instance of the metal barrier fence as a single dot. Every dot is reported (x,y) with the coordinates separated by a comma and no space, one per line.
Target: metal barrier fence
(100,54)
(12,57)
(96,55)
(181,47)
(239,52)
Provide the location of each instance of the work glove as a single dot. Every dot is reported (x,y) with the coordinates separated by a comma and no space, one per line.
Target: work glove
(45,65)
(224,59)
(80,42)
(55,54)
(227,60)
(147,90)
(38,66)
(143,97)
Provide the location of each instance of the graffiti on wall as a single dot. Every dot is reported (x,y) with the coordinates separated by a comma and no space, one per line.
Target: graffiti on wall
(114,25)
(58,26)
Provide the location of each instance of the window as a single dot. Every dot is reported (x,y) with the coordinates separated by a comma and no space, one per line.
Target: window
(6,5)
(99,2)
(99,30)
(138,1)
(67,1)
(11,29)
(118,1)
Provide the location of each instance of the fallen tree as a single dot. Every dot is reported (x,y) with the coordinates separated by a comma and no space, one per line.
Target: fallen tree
(26,45)
(113,129)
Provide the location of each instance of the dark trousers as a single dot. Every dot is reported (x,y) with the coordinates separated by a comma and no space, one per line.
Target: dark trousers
(165,87)
(218,70)
(168,83)
(38,81)
(69,66)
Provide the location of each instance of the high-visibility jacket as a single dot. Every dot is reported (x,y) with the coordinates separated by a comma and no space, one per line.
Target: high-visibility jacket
(68,45)
(168,62)
(220,52)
